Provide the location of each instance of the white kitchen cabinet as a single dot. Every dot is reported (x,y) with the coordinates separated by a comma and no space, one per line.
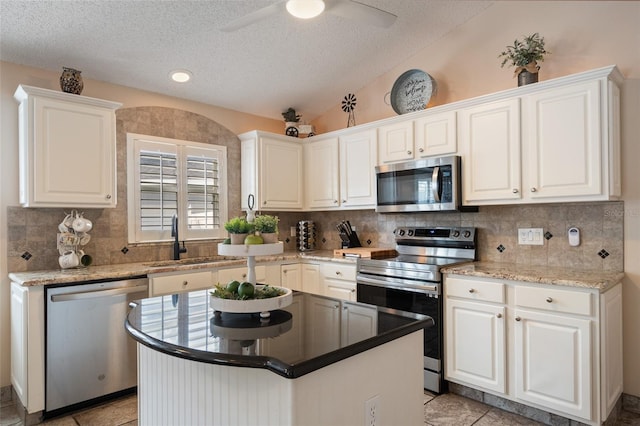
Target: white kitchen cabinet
(552,143)
(67,149)
(27,345)
(289,345)
(338,280)
(395,142)
(322,179)
(272,170)
(556,348)
(240,274)
(435,134)
(180,282)
(358,159)
(323,333)
(311,278)
(490,145)
(292,276)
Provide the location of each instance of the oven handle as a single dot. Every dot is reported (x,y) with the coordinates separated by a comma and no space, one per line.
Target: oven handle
(428,289)
(435,184)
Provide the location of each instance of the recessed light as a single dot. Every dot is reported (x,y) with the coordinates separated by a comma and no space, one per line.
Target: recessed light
(181,76)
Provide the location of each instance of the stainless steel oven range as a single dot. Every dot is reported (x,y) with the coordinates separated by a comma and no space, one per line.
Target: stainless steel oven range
(412,282)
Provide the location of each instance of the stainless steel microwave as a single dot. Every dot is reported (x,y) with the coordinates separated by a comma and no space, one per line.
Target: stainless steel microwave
(428,184)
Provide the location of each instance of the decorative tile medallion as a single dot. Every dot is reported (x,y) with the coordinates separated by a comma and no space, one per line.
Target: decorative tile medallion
(603,253)
(501,248)
(26,255)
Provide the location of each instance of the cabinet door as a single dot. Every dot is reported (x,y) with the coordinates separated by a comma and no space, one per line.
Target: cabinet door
(358,323)
(72,160)
(395,142)
(291,276)
(358,153)
(489,141)
(281,177)
(311,278)
(339,289)
(475,344)
(323,333)
(321,174)
(564,135)
(553,361)
(180,282)
(240,274)
(436,135)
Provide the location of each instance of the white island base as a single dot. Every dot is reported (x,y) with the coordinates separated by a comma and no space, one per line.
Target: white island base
(176,391)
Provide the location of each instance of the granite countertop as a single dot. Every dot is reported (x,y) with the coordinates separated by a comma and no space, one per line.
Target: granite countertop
(601,281)
(129,270)
(295,341)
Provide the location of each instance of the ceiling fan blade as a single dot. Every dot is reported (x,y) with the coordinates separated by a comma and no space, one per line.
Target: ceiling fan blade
(253,17)
(352,9)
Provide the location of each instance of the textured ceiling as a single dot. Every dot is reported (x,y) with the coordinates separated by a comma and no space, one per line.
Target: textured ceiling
(261,69)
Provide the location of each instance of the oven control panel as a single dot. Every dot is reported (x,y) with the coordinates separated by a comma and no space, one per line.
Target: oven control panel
(462,234)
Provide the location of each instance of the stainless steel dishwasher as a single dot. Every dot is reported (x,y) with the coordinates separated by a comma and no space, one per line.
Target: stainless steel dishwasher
(88,352)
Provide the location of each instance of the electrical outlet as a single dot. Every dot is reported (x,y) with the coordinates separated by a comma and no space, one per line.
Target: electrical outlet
(372,411)
(293,231)
(531,236)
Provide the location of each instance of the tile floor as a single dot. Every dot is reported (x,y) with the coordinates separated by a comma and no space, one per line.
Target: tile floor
(442,410)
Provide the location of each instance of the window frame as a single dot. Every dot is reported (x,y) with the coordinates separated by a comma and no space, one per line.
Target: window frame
(182,149)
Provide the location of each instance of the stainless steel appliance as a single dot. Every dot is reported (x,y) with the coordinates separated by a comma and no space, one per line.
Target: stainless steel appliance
(412,282)
(89,355)
(429,184)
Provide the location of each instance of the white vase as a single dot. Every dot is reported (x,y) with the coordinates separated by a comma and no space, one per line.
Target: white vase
(269,237)
(238,238)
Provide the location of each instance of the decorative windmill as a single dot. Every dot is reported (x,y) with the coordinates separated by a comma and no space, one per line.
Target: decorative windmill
(348,105)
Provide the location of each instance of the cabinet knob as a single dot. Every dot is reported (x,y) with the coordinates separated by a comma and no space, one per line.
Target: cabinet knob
(244,275)
(421,149)
(533,189)
(108,196)
(515,190)
(336,306)
(409,153)
(185,283)
(344,201)
(335,201)
(338,273)
(518,318)
(353,290)
(264,203)
(471,290)
(499,315)
(549,300)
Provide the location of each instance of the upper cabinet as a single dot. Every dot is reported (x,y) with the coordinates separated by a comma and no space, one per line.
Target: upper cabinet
(67,149)
(272,170)
(322,186)
(557,142)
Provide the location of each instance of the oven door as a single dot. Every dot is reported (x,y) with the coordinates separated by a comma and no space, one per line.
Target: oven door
(421,185)
(406,299)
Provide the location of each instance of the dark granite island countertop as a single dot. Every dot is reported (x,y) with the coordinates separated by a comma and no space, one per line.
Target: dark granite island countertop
(318,361)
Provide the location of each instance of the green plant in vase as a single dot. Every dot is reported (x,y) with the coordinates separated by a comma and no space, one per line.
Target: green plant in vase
(239,228)
(267,226)
(524,55)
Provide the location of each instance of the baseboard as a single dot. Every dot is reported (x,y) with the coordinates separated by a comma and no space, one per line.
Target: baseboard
(5,393)
(631,403)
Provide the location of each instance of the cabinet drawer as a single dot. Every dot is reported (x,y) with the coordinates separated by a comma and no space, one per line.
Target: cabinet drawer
(240,274)
(486,291)
(339,272)
(556,300)
(176,283)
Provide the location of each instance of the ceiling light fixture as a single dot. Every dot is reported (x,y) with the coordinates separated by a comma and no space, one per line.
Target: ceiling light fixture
(181,76)
(305,9)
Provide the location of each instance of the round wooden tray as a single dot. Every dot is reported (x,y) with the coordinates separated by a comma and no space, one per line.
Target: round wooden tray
(262,306)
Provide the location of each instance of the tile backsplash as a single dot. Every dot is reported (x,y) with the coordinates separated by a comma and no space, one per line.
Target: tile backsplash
(31,234)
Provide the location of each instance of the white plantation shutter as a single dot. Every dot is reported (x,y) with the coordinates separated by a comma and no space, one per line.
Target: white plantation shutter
(169,177)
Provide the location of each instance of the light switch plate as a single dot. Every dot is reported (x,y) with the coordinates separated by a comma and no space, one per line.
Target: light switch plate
(531,236)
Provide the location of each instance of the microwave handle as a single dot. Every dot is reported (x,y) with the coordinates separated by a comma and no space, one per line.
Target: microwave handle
(435,184)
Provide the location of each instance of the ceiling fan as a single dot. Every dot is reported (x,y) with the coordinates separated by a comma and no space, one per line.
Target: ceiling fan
(306,9)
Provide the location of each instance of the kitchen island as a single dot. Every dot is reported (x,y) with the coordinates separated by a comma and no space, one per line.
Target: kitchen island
(319,361)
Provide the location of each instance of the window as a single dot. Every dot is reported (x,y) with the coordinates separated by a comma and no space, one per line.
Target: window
(167,177)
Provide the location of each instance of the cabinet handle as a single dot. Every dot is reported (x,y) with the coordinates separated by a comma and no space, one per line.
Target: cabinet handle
(471,290)
(533,189)
(409,153)
(108,196)
(499,315)
(518,318)
(515,190)
(185,283)
(421,150)
(549,300)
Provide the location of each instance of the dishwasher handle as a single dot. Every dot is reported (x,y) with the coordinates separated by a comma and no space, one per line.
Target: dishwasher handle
(97,293)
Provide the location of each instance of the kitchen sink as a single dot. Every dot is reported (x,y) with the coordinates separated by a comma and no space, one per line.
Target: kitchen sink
(190,261)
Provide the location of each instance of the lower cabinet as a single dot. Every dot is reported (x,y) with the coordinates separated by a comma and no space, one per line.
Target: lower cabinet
(240,274)
(552,347)
(291,276)
(179,282)
(338,280)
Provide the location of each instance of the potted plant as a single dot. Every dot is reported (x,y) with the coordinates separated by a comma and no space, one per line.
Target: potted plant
(238,228)
(267,226)
(524,55)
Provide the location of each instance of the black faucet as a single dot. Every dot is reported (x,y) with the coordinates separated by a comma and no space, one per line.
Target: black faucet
(176,243)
